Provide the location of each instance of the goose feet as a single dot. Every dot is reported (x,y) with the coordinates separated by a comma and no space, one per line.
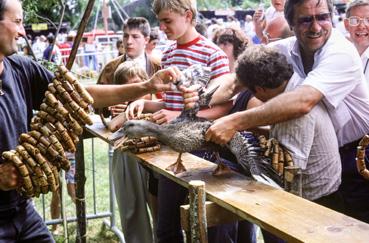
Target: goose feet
(221,168)
(178,166)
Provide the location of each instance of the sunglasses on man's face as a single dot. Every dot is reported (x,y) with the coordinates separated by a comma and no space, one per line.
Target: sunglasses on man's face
(355,21)
(306,21)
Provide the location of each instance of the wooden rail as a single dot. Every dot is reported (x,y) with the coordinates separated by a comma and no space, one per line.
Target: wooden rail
(285,215)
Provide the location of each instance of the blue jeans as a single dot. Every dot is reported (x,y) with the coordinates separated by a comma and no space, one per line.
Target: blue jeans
(22,225)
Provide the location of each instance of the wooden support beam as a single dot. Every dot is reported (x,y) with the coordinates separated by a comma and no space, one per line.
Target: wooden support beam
(80,194)
(198,228)
(81,29)
(215,215)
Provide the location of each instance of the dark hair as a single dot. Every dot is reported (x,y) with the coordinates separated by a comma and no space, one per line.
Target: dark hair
(139,23)
(289,9)
(2,8)
(154,35)
(234,36)
(118,43)
(201,28)
(262,66)
(50,38)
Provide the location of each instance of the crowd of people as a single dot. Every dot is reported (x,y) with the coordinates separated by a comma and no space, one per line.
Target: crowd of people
(292,67)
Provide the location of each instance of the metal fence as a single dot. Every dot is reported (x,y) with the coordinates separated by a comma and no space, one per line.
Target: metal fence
(92,203)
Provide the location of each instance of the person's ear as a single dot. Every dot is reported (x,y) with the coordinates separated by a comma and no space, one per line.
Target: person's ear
(147,38)
(259,89)
(188,15)
(346,23)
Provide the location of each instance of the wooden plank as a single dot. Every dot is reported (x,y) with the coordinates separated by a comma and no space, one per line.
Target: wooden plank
(215,215)
(285,215)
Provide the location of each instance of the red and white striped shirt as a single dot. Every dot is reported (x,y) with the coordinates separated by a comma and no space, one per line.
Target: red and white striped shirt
(198,51)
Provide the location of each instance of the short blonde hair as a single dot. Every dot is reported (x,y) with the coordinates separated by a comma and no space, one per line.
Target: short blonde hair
(178,6)
(128,70)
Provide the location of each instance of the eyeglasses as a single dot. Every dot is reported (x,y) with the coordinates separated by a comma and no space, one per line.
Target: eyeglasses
(355,21)
(306,21)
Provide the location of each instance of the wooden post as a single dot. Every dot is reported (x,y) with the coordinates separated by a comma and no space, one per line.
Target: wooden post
(80,193)
(198,224)
(215,215)
(81,29)
(80,161)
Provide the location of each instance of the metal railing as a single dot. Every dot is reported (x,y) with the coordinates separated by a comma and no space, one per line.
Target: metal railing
(109,214)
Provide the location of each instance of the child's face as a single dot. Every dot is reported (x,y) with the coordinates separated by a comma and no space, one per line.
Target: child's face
(227,47)
(134,42)
(134,79)
(174,24)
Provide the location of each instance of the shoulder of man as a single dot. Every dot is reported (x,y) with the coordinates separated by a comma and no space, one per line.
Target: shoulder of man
(26,64)
(18,60)
(155,63)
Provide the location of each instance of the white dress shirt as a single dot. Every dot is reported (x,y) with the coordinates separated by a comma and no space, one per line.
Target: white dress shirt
(338,74)
(365,60)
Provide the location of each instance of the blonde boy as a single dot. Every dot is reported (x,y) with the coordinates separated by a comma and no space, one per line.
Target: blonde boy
(177,19)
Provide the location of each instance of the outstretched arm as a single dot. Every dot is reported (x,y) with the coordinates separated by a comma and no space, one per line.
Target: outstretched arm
(228,88)
(286,106)
(107,95)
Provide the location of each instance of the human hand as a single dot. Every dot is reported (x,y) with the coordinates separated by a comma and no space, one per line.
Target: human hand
(163,79)
(190,96)
(9,177)
(135,109)
(222,131)
(117,122)
(117,109)
(259,22)
(165,116)
(258,15)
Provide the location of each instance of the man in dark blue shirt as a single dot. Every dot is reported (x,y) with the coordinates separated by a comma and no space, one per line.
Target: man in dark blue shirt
(22,86)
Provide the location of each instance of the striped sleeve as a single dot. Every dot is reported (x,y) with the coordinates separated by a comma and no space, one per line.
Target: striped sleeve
(219,64)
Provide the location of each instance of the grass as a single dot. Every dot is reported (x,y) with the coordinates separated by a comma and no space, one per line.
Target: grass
(95,230)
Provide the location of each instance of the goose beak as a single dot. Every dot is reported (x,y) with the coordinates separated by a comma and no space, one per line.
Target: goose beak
(117,135)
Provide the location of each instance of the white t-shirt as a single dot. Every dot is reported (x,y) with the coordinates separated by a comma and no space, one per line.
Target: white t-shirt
(365,60)
(338,74)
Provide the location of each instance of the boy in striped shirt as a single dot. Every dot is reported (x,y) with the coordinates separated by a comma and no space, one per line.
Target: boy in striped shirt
(177,18)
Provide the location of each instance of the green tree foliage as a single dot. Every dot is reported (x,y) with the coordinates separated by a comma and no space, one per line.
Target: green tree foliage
(51,9)
(226,4)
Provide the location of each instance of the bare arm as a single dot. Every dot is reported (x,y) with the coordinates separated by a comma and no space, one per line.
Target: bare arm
(253,102)
(228,88)
(286,106)
(216,111)
(259,22)
(108,95)
(153,106)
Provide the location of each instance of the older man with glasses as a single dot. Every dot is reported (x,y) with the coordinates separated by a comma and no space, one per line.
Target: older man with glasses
(357,24)
(331,72)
